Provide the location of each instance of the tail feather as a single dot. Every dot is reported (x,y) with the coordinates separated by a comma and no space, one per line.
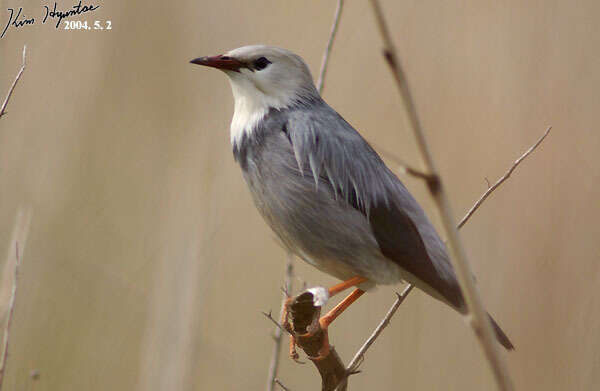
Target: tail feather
(501,336)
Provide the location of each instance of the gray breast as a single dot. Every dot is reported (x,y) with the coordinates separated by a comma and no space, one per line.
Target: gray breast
(310,217)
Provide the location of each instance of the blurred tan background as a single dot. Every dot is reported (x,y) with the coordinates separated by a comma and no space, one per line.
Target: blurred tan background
(147,266)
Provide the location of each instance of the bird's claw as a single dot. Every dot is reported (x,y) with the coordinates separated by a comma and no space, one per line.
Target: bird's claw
(325,347)
(293,353)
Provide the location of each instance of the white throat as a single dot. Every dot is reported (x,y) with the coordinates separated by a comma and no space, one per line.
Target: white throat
(251,105)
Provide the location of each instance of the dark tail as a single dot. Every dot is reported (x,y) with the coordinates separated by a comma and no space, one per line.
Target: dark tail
(502,338)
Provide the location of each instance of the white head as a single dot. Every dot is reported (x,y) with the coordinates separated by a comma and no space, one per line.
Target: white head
(261,78)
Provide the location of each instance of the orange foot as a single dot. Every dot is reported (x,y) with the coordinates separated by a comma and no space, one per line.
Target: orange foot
(326,320)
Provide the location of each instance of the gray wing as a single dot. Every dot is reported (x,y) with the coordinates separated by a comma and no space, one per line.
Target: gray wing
(338,155)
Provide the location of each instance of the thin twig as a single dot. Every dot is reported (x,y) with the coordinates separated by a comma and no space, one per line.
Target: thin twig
(359,356)
(491,189)
(479,320)
(10,91)
(403,167)
(280,384)
(357,360)
(279,330)
(19,238)
(332,34)
(355,363)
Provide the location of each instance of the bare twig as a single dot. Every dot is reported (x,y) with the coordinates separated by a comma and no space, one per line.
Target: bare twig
(403,167)
(309,336)
(280,384)
(491,189)
(10,91)
(413,172)
(332,34)
(355,363)
(17,244)
(479,320)
(358,357)
(279,330)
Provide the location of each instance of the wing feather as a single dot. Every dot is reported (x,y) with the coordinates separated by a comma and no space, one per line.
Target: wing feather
(330,149)
(337,154)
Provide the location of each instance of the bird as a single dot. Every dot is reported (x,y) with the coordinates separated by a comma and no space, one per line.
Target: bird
(323,190)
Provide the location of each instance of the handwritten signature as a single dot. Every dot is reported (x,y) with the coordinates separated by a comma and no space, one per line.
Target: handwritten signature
(20,20)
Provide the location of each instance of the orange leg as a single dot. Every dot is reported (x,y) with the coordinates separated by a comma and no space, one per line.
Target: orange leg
(342,286)
(326,320)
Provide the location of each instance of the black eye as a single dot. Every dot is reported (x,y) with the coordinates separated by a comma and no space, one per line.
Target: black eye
(261,63)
